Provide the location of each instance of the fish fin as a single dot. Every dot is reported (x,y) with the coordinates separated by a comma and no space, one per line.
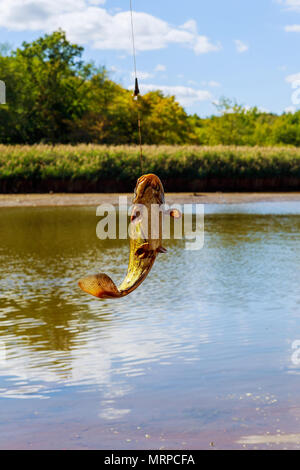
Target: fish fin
(99,285)
(161,249)
(144,251)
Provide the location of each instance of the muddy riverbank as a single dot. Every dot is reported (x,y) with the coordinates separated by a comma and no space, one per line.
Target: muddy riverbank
(94,199)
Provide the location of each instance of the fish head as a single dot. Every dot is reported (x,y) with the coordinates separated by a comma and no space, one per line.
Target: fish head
(149,190)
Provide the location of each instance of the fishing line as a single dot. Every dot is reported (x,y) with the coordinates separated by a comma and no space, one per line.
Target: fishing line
(136,88)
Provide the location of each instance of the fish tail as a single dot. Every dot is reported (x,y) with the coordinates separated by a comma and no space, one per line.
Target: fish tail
(99,285)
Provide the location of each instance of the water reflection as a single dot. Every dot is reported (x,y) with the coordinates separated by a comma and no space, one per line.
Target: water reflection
(50,330)
(217,319)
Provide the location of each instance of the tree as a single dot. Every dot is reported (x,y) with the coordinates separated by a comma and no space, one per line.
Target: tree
(54,96)
(44,88)
(164,120)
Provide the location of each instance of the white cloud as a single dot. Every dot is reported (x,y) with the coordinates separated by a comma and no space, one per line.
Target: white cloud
(113,69)
(291,4)
(23,15)
(293,79)
(141,75)
(213,84)
(192,82)
(261,109)
(290,109)
(160,68)
(240,46)
(85,22)
(186,96)
(190,25)
(295,28)
(203,45)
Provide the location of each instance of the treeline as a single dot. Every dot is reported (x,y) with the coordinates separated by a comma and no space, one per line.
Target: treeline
(53,96)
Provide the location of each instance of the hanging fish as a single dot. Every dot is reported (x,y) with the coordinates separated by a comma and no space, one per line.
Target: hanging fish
(143,249)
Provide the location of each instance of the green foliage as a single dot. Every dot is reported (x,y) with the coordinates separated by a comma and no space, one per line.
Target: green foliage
(237,125)
(69,121)
(53,96)
(94,162)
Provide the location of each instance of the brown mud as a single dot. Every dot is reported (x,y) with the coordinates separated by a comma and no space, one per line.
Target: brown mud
(94,199)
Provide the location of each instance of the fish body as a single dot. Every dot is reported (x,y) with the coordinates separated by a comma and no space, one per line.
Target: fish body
(144,247)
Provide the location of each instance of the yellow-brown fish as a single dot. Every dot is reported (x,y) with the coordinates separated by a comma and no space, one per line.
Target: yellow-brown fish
(149,191)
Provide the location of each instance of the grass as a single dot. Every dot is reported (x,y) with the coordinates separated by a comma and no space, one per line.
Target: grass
(121,163)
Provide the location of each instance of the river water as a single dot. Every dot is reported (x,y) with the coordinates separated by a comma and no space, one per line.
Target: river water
(202,355)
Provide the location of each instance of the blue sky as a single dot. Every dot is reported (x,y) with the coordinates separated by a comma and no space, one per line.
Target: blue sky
(199,50)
